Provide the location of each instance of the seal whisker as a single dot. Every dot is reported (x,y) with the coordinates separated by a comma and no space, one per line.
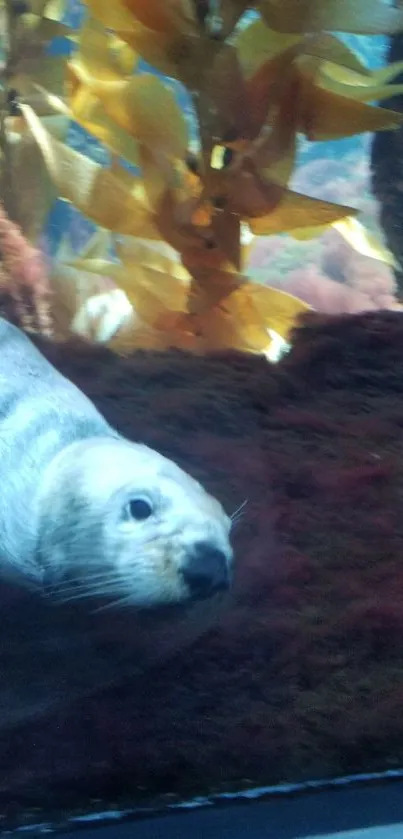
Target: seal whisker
(87,590)
(77,581)
(123,601)
(239,509)
(72,590)
(85,595)
(239,512)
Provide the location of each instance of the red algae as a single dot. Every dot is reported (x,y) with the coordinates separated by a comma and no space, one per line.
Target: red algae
(303,677)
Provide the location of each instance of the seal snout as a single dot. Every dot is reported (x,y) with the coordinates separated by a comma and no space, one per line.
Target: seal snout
(206,571)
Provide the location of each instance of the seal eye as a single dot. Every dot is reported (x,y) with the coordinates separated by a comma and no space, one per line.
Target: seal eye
(140,509)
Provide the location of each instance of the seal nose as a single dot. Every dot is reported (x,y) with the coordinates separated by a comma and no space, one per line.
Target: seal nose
(206,570)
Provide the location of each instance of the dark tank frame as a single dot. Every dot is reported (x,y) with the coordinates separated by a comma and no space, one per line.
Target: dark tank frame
(337,809)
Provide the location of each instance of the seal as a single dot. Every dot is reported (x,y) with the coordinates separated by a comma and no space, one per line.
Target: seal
(112,558)
(86,514)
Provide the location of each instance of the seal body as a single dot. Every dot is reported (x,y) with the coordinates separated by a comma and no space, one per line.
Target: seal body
(108,549)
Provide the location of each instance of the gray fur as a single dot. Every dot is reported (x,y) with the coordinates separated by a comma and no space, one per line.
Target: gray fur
(40,413)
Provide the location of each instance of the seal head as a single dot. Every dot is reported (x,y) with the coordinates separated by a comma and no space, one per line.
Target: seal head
(122,524)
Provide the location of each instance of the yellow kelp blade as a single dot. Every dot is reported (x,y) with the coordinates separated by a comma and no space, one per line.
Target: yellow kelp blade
(386,74)
(114,15)
(355,233)
(31,38)
(51,9)
(57,125)
(101,56)
(176,53)
(256,44)
(167,16)
(363,241)
(328,116)
(40,31)
(158,49)
(156,171)
(56,9)
(181,52)
(294,211)
(157,255)
(365,94)
(64,251)
(267,206)
(153,278)
(141,106)
(51,117)
(152,281)
(328,48)
(150,45)
(213,331)
(351,79)
(89,112)
(93,265)
(110,197)
(152,291)
(147,109)
(34,201)
(353,85)
(99,245)
(237,323)
(255,309)
(362,17)
(47,72)
(154,45)
(245,321)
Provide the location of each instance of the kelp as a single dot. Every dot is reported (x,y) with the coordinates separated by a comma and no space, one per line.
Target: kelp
(255,89)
